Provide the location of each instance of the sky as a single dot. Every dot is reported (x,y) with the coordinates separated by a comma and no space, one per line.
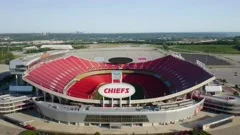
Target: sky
(119,16)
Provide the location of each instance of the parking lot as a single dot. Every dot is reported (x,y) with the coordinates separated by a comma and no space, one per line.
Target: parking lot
(207,59)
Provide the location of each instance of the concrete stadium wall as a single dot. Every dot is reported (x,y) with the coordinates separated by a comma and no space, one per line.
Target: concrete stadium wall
(162,116)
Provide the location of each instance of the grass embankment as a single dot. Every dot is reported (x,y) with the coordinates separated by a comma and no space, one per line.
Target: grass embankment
(217,49)
(29,132)
(80,46)
(97,96)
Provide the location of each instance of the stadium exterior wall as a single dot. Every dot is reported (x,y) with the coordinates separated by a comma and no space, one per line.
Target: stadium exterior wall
(154,117)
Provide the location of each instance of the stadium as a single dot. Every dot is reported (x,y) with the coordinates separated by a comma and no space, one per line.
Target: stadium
(113,87)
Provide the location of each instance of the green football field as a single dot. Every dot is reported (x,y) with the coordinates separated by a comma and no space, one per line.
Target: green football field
(139,94)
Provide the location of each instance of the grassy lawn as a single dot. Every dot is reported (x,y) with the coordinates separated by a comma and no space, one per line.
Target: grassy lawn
(139,94)
(220,49)
(29,132)
(97,96)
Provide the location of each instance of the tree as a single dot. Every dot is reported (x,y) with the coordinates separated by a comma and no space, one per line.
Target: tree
(165,47)
(224,81)
(9,56)
(235,93)
(5,55)
(96,133)
(236,41)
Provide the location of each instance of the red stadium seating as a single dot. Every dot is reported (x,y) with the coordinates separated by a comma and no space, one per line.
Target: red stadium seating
(55,75)
(87,86)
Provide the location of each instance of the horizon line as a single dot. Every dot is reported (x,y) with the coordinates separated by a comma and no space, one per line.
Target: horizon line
(110,32)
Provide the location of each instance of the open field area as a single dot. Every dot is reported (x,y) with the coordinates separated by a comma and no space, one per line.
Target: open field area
(218,49)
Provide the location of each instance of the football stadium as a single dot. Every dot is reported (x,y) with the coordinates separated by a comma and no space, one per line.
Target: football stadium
(113,87)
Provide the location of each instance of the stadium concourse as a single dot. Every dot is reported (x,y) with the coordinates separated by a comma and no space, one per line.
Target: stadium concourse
(113,87)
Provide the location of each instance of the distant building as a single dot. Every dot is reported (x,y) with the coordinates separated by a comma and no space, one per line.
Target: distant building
(5,38)
(30,48)
(39,42)
(58,47)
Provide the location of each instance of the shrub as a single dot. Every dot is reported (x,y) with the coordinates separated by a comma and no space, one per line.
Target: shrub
(235,93)
(224,80)
(28,132)
(97,133)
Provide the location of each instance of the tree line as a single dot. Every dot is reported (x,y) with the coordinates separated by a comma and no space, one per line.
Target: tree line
(5,55)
